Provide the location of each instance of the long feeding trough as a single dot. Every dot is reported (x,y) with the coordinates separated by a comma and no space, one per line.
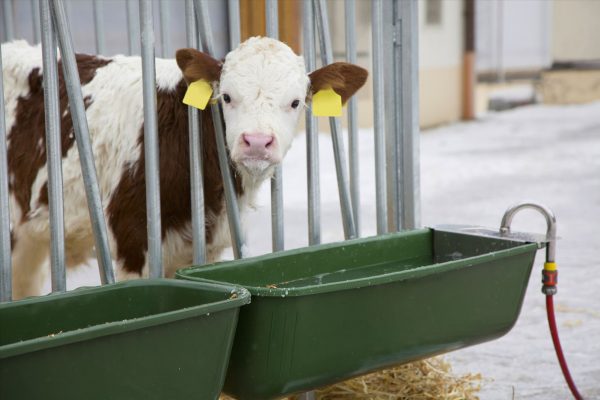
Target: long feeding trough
(151,339)
(323,314)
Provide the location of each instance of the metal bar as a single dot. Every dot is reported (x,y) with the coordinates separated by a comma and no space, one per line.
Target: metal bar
(132,26)
(379,117)
(350,25)
(53,151)
(312,133)
(233,213)
(335,126)
(233,10)
(151,142)
(35,17)
(272,22)
(195,132)
(82,138)
(277,238)
(8,14)
(99,27)
(165,30)
(408,146)
(393,121)
(5,256)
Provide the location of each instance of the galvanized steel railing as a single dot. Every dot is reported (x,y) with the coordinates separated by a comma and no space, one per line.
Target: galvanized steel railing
(394,27)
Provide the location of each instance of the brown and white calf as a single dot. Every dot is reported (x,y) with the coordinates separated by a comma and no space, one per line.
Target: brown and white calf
(262,86)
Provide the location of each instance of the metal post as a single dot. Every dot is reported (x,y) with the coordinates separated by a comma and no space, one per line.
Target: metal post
(350,25)
(165,30)
(195,132)
(233,10)
(407,84)
(35,18)
(151,142)
(9,29)
(132,26)
(312,134)
(99,27)
(233,213)
(334,124)
(379,116)
(272,28)
(53,151)
(82,138)
(5,260)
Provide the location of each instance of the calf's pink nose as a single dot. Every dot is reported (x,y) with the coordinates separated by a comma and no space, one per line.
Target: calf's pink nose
(257,140)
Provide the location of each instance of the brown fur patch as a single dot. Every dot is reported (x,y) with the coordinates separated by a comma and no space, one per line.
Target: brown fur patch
(27,149)
(197,65)
(342,77)
(127,207)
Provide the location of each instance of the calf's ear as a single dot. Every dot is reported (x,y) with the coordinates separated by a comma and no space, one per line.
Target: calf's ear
(197,65)
(345,79)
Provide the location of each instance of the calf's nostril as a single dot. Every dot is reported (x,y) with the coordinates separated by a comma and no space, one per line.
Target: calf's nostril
(269,142)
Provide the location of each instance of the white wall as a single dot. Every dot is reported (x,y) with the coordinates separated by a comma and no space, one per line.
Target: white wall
(441,46)
(513,34)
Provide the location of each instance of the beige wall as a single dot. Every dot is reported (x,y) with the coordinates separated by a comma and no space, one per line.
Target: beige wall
(576,30)
(440,65)
(440,60)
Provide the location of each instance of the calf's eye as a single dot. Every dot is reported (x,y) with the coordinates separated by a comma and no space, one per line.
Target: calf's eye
(226,98)
(295,103)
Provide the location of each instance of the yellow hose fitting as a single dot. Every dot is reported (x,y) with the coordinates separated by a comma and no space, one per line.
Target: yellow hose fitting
(550,266)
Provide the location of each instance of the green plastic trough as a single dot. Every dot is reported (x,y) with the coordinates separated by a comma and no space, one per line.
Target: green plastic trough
(324,314)
(146,339)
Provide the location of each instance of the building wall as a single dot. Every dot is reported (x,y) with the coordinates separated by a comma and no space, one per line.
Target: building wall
(512,35)
(576,30)
(440,64)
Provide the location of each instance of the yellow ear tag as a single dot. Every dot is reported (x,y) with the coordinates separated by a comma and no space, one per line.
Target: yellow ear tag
(327,103)
(198,94)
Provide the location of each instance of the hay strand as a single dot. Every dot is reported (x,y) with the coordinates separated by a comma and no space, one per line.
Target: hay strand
(421,380)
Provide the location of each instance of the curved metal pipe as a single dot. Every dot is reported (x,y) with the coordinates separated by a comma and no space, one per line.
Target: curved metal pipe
(550,222)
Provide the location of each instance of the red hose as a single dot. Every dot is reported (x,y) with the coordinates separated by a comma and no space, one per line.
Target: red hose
(558,348)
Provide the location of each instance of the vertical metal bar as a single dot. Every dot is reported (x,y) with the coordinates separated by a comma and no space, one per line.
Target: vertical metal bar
(350,25)
(312,134)
(165,29)
(82,138)
(393,119)
(53,151)
(195,132)
(9,28)
(408,147)
(233,10)
(335,126)
(272,28)
(379,117)
(99,27)
(132,28)
(5,260)
(151,142)
(233,213)
(272,22)
(35,17)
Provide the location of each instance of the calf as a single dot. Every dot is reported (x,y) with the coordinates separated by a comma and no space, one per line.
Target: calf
(262,86)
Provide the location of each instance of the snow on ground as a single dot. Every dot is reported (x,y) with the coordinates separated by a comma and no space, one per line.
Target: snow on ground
(470,173)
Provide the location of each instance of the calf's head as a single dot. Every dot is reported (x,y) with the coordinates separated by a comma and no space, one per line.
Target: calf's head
(263,86)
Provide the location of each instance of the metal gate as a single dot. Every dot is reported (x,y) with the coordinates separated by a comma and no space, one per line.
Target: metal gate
(394,59)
